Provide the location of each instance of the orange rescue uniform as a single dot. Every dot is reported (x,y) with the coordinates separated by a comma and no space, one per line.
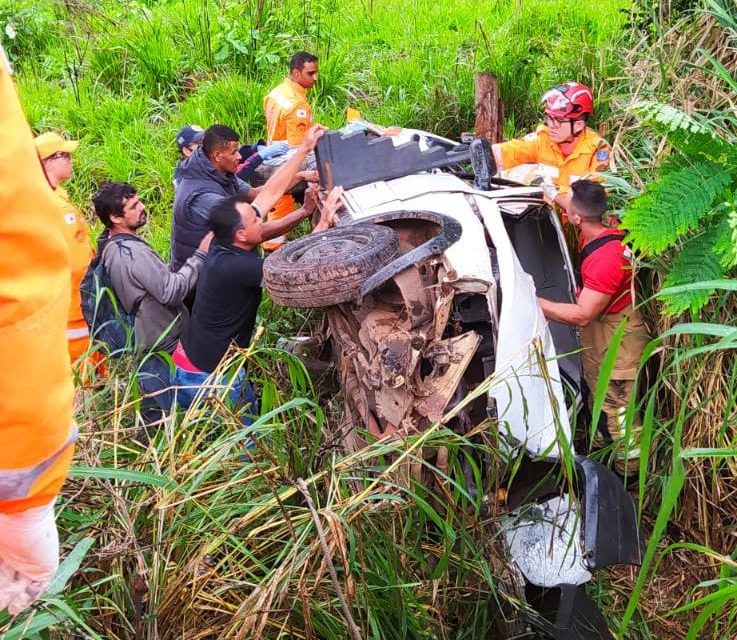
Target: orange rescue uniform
(590,155)
(288,116)
(76,234)
(36,426)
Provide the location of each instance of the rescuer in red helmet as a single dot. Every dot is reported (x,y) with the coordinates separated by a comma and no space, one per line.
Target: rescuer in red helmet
(564,148)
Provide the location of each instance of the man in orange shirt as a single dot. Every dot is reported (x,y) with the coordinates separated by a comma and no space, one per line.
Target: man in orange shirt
(288,117)
(56,159)
(288,114)
(36,425)
(563,149)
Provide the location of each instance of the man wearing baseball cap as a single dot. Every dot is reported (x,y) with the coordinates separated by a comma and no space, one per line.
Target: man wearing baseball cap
(55,153)
(188,139)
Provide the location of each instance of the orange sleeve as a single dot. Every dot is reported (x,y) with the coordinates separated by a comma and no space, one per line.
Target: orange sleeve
(274,123)
(518,151)
(298,120)
(35,379)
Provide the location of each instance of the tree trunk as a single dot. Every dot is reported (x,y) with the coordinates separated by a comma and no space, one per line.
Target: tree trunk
(489,108)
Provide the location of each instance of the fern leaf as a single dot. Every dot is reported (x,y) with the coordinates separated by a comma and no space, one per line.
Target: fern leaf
(725,246)
(668,119)
(696,262)
(692,136)
(692,148)
(674,205)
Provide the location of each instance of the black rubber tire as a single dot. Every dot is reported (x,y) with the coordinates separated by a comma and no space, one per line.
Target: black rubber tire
(328,268)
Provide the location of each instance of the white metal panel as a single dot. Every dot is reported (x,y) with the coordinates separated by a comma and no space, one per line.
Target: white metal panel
(529,395)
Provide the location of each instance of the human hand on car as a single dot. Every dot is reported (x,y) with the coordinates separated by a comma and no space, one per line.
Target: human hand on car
(313,135)
(550,192)
(206,242)
(309,176)
(331,205)
(273,150)
(310,202)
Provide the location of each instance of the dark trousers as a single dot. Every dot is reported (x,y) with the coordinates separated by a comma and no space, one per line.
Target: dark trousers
(155,383)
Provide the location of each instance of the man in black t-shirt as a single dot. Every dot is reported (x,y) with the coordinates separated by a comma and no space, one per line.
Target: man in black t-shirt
(229,290)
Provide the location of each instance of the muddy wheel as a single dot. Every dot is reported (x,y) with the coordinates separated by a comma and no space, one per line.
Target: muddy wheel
(328,268)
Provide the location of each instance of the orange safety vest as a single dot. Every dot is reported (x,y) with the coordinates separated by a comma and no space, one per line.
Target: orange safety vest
(590,155)
(288,116)
(76,234)
(36,426)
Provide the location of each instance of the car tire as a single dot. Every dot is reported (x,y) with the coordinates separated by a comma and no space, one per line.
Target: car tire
(328,268)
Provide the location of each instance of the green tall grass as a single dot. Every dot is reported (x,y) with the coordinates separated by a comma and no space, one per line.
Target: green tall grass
(178,536)
(127,75)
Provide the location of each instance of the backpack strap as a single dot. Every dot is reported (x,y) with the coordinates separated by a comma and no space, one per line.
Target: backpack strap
(600,242)
(590,248)
(119,240)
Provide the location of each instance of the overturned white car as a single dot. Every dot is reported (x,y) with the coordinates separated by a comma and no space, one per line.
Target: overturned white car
(429,283)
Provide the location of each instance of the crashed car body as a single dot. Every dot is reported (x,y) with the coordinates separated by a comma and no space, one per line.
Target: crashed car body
(430,286)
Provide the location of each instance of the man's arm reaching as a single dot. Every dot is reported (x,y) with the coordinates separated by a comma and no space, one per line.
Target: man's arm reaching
(589,305)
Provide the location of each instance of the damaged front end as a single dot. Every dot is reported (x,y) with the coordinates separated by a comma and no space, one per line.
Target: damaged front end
(403,346)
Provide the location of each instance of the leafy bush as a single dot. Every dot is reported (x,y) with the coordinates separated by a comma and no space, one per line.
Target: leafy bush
(691,206)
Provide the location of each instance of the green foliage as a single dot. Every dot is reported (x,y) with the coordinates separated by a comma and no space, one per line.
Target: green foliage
(227,543)
(673,205)
(688,208)
(696,261)
(23,32)
(144,69)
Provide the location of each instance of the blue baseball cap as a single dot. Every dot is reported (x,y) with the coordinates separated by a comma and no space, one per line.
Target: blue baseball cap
(189,135)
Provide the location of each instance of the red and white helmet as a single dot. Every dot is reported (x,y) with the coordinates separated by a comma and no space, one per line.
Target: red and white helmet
(570,100)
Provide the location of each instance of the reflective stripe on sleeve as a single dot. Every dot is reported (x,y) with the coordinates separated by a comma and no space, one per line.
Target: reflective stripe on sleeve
(16,483)
(281,100)
(76,334)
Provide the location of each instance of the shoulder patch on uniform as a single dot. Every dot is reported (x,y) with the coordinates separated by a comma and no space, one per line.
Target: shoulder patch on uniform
(602,154)
(70,218)
(301,113)
(531,136)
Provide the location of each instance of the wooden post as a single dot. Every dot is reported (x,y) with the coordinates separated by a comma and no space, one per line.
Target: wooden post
(489,108)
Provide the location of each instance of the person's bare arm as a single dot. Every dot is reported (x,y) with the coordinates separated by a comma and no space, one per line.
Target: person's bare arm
(253,194)
(329,208)
(589,305)
(276,228)
(284,177)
